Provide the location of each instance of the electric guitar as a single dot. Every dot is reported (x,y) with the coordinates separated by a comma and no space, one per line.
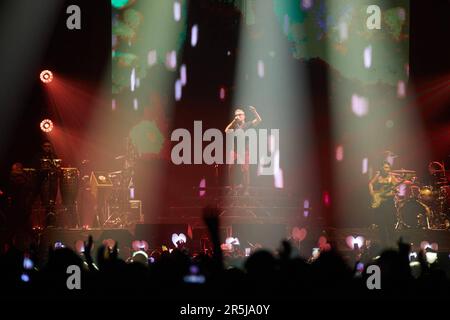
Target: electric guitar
(383,194)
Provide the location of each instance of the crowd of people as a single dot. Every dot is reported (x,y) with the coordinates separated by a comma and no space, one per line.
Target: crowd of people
(180,275)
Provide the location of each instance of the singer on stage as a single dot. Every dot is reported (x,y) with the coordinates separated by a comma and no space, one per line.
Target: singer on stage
(240,123)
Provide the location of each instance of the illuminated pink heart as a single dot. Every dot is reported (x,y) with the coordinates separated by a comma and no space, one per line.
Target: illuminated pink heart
(352,241)
(299,234)
(109,243)
(178,238)
(322,240)
(425,244)
(323,244)
(139,245)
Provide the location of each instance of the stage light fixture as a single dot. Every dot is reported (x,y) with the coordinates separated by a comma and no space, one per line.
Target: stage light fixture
(46,76)
(46,125)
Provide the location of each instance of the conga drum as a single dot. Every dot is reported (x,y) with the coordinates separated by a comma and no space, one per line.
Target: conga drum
(69,184)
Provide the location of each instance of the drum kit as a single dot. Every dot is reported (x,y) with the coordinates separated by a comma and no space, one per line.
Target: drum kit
(117,213)
(72,184)
(114,210)
(68,181)
(47,179)
(422,206)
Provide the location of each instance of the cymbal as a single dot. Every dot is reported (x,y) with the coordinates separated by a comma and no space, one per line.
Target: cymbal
(115,172)
(403,171)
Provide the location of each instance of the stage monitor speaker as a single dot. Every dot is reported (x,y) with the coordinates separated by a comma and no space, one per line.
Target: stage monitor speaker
(161,234)
(267,235)
(135,209)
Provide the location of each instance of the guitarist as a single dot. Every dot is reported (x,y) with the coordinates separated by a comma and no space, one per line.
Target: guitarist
(382,191)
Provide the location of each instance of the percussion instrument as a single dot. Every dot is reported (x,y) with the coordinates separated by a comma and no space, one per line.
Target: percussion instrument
(31,178)
(427,194)
(50,164)
(414,214)
(69,184)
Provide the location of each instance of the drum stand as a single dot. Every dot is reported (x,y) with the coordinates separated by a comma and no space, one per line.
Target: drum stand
(116,208)
(400,224)
(115,218)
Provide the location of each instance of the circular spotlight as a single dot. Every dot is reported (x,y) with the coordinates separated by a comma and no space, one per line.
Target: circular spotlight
(46,125)
(46,76)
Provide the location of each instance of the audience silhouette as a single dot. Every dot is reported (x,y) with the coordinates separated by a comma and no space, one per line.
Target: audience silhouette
(179,275)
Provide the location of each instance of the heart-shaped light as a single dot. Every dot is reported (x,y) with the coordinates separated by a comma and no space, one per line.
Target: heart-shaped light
(322,240)
(352,241)
(109,243)
(299,234)
(232,241)
(323,244)
(178,238)
(425,244)
(139,245)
